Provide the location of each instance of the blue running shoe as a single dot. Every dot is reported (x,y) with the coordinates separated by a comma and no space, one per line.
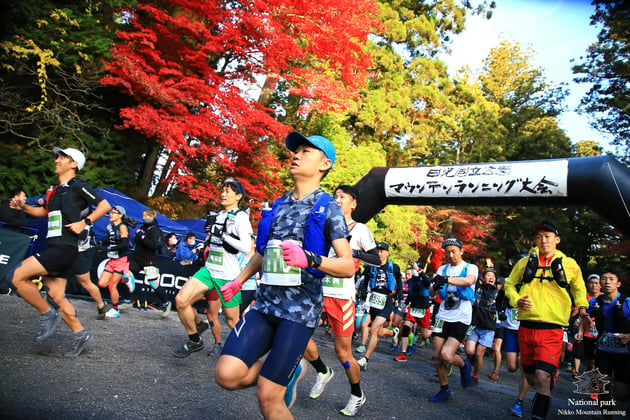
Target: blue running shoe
(466,374)
(442,395)
(298,374)
(517,409)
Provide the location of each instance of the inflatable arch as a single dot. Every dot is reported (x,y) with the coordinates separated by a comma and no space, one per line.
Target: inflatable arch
(601,183)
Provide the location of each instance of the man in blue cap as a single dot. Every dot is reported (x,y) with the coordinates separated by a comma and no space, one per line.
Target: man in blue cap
(294,238)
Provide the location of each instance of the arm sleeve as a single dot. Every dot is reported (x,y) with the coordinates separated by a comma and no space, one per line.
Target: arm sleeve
(244,230)
(122,244)
(370,257)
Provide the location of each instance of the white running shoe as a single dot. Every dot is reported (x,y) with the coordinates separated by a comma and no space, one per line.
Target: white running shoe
(354,403)
(320,383)
(113,313)
(362,362)
(361,349)
(395,336)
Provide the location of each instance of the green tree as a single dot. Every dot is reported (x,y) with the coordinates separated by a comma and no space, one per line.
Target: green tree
(607,68)
(50,94)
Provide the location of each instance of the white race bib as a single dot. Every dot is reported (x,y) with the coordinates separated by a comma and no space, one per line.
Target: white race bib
(611,343)
(55,224)
(276,272)
(378,300)
(417,312)
(439,324)
(215,259)
(151,272)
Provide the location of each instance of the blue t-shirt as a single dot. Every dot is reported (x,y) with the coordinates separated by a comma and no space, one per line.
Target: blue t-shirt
(609,325)
(301,304)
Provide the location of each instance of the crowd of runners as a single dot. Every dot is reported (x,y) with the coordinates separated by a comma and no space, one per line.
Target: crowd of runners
(310,264)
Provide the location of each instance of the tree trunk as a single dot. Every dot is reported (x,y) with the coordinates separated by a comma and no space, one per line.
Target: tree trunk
(146,181)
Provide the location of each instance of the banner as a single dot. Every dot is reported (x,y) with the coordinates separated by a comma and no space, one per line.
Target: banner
(13,247)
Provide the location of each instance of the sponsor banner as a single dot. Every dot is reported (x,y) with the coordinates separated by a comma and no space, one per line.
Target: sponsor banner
(173,276)
(501,179)
(13,248)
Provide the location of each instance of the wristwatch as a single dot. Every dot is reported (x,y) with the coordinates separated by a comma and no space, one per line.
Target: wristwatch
(87,221)
(317,261)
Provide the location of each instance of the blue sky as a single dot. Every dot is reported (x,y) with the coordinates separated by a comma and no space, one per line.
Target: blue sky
(556,31)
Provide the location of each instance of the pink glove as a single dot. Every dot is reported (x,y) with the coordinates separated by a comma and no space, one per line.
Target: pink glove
(229,290)
(293,254)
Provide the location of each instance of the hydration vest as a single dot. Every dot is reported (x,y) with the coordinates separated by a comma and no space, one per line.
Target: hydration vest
(622,325)
(389,270)
(314,233)
(463,292)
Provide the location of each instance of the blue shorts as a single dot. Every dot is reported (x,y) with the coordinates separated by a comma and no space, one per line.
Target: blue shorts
(256,334)
(481,335)
(510,341)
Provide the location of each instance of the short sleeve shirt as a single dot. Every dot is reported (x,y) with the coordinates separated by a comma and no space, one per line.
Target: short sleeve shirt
(301,304)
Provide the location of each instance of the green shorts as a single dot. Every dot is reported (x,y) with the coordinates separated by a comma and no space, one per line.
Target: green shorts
(203,275)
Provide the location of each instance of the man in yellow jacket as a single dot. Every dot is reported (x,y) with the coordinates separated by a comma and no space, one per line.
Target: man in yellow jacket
(542,287)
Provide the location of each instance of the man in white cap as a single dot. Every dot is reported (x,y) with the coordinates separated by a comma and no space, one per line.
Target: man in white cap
(68,211)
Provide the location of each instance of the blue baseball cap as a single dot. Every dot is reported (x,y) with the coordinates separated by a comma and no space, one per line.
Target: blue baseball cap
(294,139)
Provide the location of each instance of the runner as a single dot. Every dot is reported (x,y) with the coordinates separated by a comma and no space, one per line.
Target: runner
(294,237)
(454,284)
(539,287)
(230,232)
(339,296)
(67,208)
(384,284)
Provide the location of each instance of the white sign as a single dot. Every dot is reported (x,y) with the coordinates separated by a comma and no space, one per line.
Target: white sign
(513,179)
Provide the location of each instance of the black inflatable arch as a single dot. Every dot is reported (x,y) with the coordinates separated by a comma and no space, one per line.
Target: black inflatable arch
(600,182)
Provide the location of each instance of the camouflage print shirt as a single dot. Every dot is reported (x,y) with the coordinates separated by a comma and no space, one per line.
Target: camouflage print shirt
(301,304)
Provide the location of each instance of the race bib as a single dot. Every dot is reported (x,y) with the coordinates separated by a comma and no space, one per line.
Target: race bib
(54,224)
(359,310)
(215,259)
(334,282)
(112,254)
(151,272)
(611,343)
(378,300)
(439,324)
(417,312)
(514,313)
(276,272)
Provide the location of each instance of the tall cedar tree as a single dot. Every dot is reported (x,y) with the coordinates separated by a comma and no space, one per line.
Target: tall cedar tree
(190,65)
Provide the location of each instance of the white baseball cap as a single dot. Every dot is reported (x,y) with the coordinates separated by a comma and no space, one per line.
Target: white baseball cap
(75,154)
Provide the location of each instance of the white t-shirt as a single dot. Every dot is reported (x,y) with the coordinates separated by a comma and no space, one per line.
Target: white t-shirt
(462,311)
(344,288)
(220,263)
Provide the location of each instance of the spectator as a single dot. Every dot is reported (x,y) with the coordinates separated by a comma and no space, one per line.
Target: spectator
(170,247)
(187,252)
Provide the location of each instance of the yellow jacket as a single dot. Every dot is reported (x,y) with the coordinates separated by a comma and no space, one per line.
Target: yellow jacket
(550,302)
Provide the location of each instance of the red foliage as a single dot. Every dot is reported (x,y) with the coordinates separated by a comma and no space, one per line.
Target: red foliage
(472,230)
(189,65)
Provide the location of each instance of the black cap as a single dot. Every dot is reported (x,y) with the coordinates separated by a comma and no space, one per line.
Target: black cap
(383,245)
(452,241)
(348,189)
(546,225)
(236,185)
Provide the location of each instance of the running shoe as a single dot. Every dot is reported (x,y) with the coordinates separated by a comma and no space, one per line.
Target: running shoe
(402,357)
(113,313)
(449,369)
(395,337)
(166,308)
(394,349)
(188,348)
(466,374)
(216,350)
(130,281)
(362,362)
(291,393)
(78,344)
(202,327)
(494,375)
(475,380)
(517,409)
(442,395)
(48,324)
(410,350)
(361,349)
(354,403)
(101,312)
(320,383)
